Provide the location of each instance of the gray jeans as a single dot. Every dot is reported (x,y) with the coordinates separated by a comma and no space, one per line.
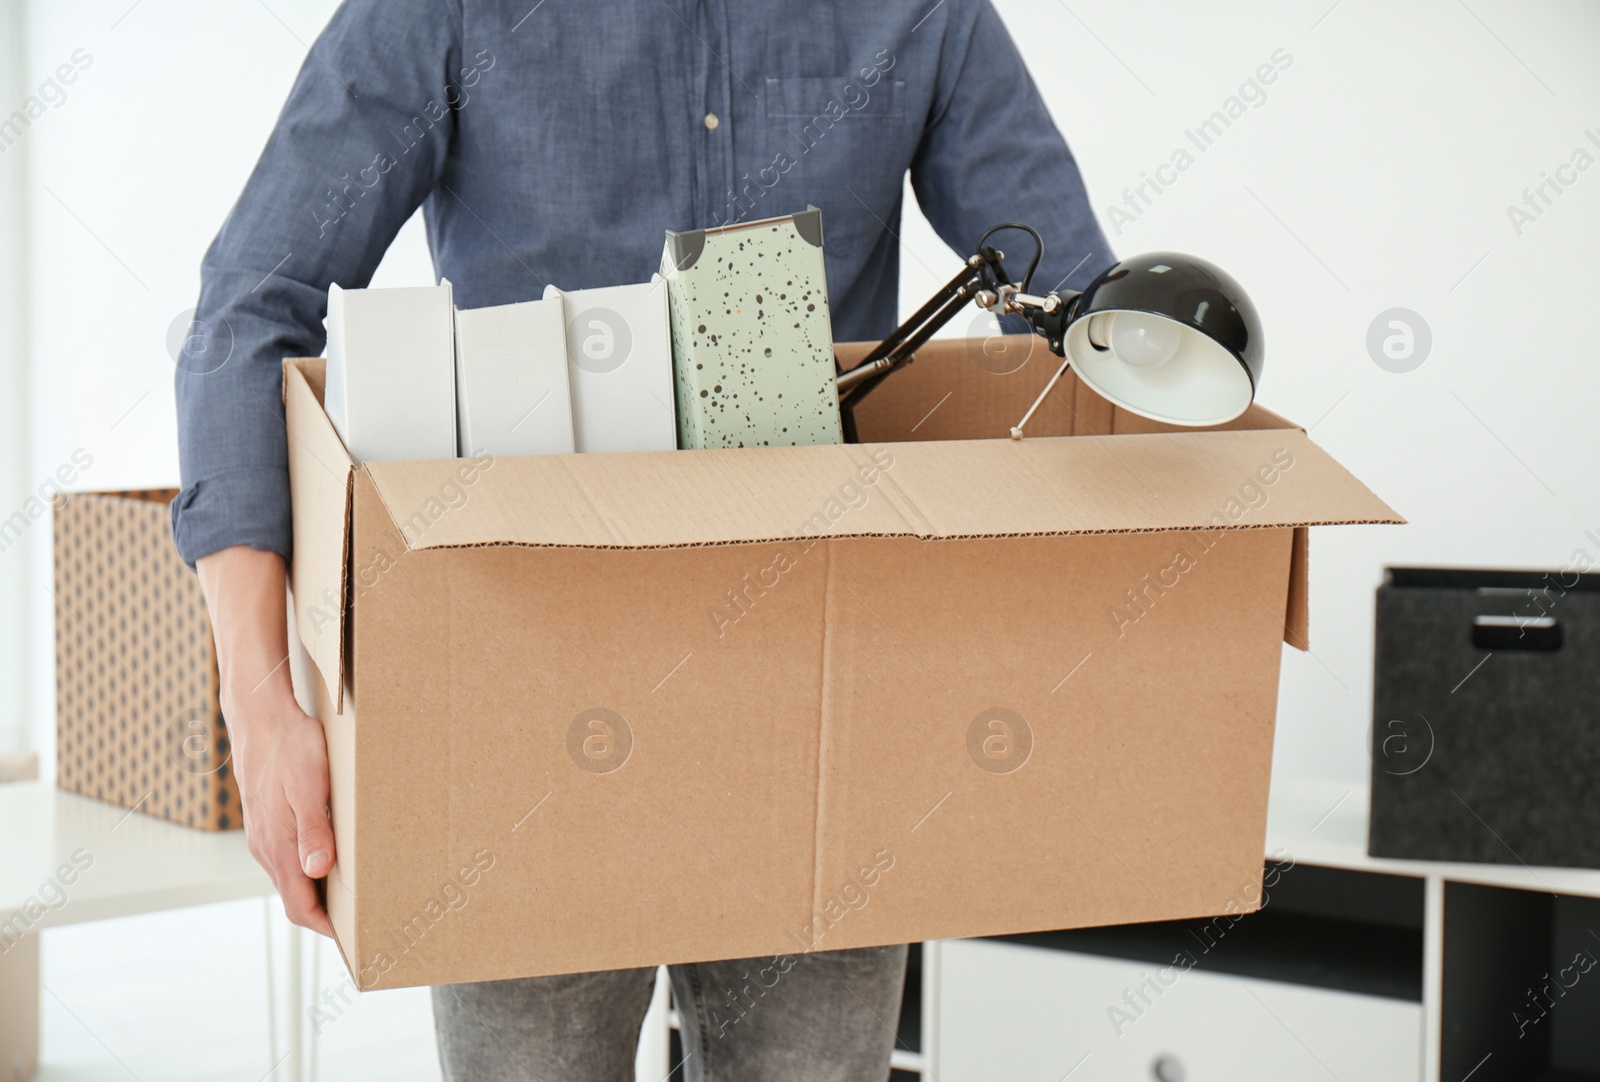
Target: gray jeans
(829,1016)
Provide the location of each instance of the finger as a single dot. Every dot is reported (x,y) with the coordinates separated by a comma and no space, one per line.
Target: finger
(313,831)
(279,857)
(299,893)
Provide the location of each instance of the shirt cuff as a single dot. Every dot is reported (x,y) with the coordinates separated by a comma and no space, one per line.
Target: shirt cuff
(244,506)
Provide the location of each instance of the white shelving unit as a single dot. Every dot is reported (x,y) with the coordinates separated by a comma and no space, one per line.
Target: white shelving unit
(1317,824)
(1046,1014)
(1324,824)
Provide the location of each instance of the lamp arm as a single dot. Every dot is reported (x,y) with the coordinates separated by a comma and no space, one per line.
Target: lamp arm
(1049,317)
(982,279)
(981,276)
(911,335)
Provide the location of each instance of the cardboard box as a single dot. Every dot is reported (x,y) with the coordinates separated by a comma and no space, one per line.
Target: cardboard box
(619,359)
(630,709)
(19,966)
(138,715)
(513,396)
(391,371)
(18,766)
(752,340)
(19,1007)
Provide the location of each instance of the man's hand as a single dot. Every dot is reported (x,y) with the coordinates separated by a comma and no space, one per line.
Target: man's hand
(280,756)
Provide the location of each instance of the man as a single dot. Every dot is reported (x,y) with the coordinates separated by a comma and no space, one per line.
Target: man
(555,141)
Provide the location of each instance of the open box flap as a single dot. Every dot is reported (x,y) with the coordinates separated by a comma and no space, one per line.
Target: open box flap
(932,491)
(1297,615)
(320,473)
(995,379)
(977,388)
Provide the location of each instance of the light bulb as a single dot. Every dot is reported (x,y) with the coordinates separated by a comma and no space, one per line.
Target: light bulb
(1143,341)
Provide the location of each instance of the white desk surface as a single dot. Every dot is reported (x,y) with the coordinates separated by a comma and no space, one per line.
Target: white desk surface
(137,863)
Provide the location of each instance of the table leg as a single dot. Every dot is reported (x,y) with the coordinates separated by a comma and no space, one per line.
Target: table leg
(272,984)
(296,999)
(316,994)
(652,1059)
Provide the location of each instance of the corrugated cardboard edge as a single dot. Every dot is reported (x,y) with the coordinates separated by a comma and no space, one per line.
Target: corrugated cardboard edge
(636,500)
(1116,421)
(311,693)
(1088,414)
(320,477)
(901,517)
(339,890)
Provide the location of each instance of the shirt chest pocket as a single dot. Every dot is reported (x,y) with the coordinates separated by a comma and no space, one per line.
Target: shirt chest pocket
(824,101)
(845,146)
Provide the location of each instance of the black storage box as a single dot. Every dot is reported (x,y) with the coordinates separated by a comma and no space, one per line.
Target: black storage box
(1486,717)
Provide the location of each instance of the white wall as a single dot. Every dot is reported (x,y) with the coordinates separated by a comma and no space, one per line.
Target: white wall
(1376,175)
(130,178)
(16,715)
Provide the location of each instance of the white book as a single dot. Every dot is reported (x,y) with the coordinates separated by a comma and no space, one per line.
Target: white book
(512,392)
(390,389)
(619,360)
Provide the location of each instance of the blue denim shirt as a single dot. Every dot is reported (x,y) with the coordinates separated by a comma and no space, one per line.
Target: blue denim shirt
(556,141)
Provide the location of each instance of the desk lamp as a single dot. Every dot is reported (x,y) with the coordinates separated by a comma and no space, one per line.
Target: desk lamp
(1166,336)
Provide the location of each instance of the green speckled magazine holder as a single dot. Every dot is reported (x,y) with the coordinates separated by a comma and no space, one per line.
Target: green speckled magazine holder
(752,342)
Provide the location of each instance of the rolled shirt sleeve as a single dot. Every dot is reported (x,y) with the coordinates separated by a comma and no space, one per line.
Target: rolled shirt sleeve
(360,144)
(992,154)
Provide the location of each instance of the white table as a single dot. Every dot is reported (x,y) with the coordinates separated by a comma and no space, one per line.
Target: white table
(140,864)
(135,864)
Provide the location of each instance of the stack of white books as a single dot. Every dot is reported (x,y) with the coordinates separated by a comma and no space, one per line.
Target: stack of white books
(619,355)
(512,392)
(410,376)
(390,390)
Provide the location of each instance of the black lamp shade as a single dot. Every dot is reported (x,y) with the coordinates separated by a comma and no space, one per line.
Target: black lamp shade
(1211,376)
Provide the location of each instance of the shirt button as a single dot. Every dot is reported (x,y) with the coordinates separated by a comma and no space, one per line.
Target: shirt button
(712,123)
